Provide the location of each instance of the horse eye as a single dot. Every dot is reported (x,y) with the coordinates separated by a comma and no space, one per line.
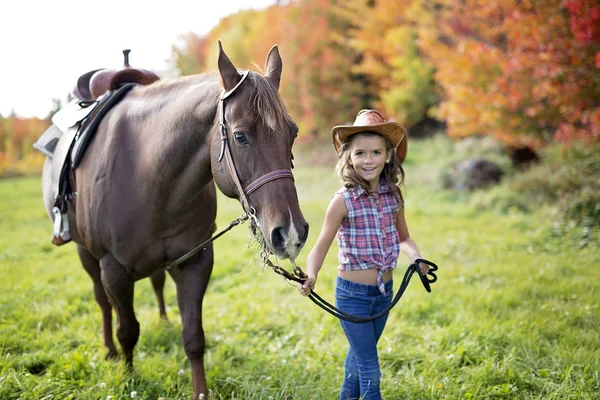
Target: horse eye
(292,160)
(241,138)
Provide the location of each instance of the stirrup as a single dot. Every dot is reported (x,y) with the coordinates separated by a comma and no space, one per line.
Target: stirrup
(61,228)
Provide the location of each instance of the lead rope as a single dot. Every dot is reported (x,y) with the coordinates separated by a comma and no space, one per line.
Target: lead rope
(202,245)
(300,277)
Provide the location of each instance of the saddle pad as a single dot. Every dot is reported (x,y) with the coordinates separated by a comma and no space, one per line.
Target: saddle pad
(48,141)
(71,114)
(59,159)
(87,131)
(67,117)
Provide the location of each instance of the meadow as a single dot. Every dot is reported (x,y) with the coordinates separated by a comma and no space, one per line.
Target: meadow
(515,313)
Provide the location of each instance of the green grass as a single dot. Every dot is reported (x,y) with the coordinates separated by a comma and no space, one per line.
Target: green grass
(515,313)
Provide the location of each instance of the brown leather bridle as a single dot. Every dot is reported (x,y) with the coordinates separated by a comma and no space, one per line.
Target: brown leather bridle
(226,153)
(244,192)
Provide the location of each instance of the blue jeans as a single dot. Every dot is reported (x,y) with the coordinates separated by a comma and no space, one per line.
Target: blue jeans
(362,374)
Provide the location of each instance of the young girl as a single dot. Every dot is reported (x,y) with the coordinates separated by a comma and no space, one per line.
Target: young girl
(367,215)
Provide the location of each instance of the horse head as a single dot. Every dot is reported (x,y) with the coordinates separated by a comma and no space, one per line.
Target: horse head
(251,156)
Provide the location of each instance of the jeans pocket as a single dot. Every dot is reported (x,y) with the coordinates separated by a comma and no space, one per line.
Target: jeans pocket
(343,298)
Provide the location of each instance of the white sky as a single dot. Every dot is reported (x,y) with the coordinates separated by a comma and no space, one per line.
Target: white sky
(46,45)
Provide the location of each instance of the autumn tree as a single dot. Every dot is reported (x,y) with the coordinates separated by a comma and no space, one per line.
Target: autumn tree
(400,78)
(17,135)
(318,85)
(516,69)
(322,91)
(247,36)
(190,57)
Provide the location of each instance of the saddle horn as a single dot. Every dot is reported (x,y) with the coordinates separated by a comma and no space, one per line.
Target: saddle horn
(126,58)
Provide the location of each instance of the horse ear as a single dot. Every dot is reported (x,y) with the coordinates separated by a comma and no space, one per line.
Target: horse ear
(229,75)
(273,67)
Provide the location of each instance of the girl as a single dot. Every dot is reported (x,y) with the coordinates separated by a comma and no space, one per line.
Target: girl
(367,215)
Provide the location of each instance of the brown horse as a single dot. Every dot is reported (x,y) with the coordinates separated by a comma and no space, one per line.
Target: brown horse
(145,192)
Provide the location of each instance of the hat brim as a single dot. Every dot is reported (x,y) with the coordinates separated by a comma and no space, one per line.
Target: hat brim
(393,131)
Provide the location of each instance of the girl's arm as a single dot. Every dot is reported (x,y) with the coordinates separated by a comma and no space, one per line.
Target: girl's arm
(336,212)
(407,245)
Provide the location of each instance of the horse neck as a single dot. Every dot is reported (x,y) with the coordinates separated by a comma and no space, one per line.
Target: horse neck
(181,135)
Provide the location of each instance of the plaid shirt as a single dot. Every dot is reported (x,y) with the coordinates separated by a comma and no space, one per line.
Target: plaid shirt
(368,238)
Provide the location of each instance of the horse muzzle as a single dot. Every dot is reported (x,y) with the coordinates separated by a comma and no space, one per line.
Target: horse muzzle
(287,241)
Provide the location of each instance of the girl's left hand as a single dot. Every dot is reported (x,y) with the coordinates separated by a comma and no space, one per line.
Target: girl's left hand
(424,268)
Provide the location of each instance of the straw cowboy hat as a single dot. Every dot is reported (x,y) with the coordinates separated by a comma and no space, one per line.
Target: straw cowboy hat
(372,121)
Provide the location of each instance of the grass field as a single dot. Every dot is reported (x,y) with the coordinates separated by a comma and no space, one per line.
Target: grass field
(515,313)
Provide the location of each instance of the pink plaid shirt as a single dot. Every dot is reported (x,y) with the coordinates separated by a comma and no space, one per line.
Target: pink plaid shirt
(368,237)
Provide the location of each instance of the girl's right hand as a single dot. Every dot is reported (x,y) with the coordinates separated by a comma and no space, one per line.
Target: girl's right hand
(308,285)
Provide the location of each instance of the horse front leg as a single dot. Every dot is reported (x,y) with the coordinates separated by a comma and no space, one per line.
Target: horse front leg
(191,279)
(92,267)
(119,286)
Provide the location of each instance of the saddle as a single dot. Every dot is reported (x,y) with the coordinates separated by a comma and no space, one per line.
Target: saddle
(93,84)
(74,126)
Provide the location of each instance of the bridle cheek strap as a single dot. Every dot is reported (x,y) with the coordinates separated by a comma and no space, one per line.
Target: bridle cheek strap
(225,153)
(266,178)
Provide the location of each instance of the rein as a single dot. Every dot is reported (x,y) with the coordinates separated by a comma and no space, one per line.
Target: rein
(202,245)
(300,277)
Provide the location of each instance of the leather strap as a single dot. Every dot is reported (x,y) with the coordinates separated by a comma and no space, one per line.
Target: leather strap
(271,176)
(226,153)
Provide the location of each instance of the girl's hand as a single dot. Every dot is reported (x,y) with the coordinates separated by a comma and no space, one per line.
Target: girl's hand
(309,284)
(424,268)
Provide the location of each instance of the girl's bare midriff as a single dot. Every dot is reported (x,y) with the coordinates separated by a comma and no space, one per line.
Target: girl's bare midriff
(365,276)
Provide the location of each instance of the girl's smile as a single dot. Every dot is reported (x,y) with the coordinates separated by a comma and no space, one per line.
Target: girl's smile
(368,155)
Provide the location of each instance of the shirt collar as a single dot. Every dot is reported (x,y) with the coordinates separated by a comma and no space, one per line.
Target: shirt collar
(359,191)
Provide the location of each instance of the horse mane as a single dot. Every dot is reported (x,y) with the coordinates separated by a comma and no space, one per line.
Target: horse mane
(268,103)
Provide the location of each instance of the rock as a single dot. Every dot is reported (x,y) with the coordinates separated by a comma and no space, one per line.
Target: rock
(523,156)
(472,174)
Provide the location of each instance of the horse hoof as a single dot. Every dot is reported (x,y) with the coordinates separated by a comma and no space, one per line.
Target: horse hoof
(111,355)
(129,364)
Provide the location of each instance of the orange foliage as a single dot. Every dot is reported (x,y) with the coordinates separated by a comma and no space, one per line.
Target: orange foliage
(524,71)
(318,84)
(17,155)
(515,69)
(322,90)
(400,79)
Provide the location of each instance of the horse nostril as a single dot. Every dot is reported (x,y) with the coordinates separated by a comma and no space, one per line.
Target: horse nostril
(277,238)
(303,235)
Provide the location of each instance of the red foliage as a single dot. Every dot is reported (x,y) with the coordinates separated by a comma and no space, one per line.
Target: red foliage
(515,69)
(524,71)
(584,20)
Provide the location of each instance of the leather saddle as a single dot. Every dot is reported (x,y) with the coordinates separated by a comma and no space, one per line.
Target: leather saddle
(93,84)
(74,127)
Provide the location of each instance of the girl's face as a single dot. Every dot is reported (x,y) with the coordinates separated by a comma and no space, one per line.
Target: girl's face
(368,155)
